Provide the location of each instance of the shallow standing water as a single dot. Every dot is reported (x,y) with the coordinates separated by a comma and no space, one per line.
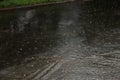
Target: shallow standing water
(61,42)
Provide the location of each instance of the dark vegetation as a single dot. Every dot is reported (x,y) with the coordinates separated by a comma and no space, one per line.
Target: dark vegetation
(14,3)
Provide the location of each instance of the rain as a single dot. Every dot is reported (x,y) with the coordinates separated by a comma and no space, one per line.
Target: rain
(68,41)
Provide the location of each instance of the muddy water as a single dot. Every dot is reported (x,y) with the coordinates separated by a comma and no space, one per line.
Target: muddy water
(86,36)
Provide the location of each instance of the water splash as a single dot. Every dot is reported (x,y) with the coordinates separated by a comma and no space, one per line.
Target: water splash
(71,32)
(22,20)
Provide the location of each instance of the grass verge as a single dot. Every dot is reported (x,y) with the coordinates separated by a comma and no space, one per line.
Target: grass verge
(16,3)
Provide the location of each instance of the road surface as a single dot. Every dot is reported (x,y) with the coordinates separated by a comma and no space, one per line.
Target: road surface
(71,42)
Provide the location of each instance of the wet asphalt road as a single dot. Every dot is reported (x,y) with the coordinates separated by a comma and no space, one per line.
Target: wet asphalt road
(61,42)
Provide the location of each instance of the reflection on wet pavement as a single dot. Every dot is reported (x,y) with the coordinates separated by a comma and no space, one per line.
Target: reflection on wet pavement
(61,42)
(25,34)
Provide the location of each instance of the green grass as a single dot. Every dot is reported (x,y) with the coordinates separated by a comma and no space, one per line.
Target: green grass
(14,3)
